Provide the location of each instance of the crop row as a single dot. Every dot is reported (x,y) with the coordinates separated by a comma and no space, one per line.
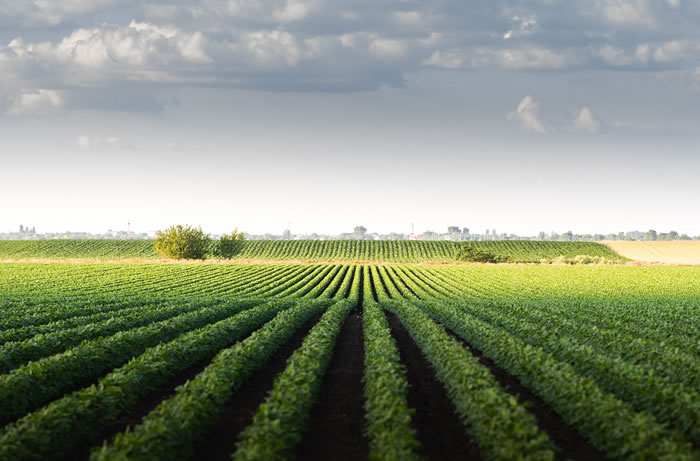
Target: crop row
(74,367)
(313,250)
(80,416)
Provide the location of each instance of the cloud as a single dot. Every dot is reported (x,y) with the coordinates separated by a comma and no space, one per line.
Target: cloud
(383,48)
(407,18)
(625,12)
(522,26)
(292,11)
(41,12)
(677,50)
(318,45)
(271,48)
(525,58)
(584,121)
(40,101)
(527,114)
(110,142)
(447,59)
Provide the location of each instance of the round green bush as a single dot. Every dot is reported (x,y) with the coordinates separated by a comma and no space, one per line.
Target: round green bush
(182,242)
(229,245)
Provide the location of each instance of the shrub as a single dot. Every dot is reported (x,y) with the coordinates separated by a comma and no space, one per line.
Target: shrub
(470,253)
(229,245)
(182,242)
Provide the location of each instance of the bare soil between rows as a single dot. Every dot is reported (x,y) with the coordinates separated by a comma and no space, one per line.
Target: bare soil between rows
(571,444)
(439,429)
(336,429)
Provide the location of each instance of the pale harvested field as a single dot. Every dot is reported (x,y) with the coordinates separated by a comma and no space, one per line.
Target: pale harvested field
(676,252)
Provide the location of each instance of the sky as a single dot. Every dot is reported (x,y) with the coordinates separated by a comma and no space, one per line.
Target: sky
(319,115)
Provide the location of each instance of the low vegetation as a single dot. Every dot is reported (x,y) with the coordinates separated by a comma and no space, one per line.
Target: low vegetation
(142,361)
(468,252)
(232,246)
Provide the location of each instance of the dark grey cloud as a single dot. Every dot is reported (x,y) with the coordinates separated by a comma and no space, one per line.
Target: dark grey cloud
(56,53)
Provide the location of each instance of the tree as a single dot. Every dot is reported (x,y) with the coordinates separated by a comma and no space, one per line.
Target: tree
(182,242)
(360,232)
(229,245)
(650,235)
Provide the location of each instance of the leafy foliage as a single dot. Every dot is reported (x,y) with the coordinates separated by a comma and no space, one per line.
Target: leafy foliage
(229,245)
(182,242)
(611,349)
(469,253)
(405,251)
(169,431)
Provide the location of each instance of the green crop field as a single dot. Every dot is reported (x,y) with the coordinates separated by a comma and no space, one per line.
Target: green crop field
(312,250)
(344,361)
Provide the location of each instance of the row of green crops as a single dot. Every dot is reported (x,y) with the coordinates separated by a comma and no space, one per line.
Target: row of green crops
(521,251)
(612,351)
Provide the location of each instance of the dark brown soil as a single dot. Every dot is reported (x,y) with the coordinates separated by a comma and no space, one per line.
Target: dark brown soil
(142,408)
(571,444)
(238,413)
(152,400)
(336,426)
(440,432)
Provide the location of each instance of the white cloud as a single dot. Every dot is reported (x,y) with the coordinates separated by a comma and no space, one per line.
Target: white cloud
(532,58)
(432,39)
(385,48)
(110,142)
(138,50)
(272,47)
(526,58)
(642,52)
(447,59)
(625,12)
(38,101)
(293,10)
(614,56)
(585,121)
(407,18)
(523,25)
(34,12)
(527,114)
(620,58)
(677,50)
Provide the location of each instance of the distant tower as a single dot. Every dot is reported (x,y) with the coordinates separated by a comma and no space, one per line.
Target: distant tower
(128,226)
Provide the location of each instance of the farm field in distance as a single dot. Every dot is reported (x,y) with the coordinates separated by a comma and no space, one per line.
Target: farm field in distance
(347,361)
(311,250)
(676,252)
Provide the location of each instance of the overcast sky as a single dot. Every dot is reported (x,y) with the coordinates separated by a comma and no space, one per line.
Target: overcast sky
(520,115)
